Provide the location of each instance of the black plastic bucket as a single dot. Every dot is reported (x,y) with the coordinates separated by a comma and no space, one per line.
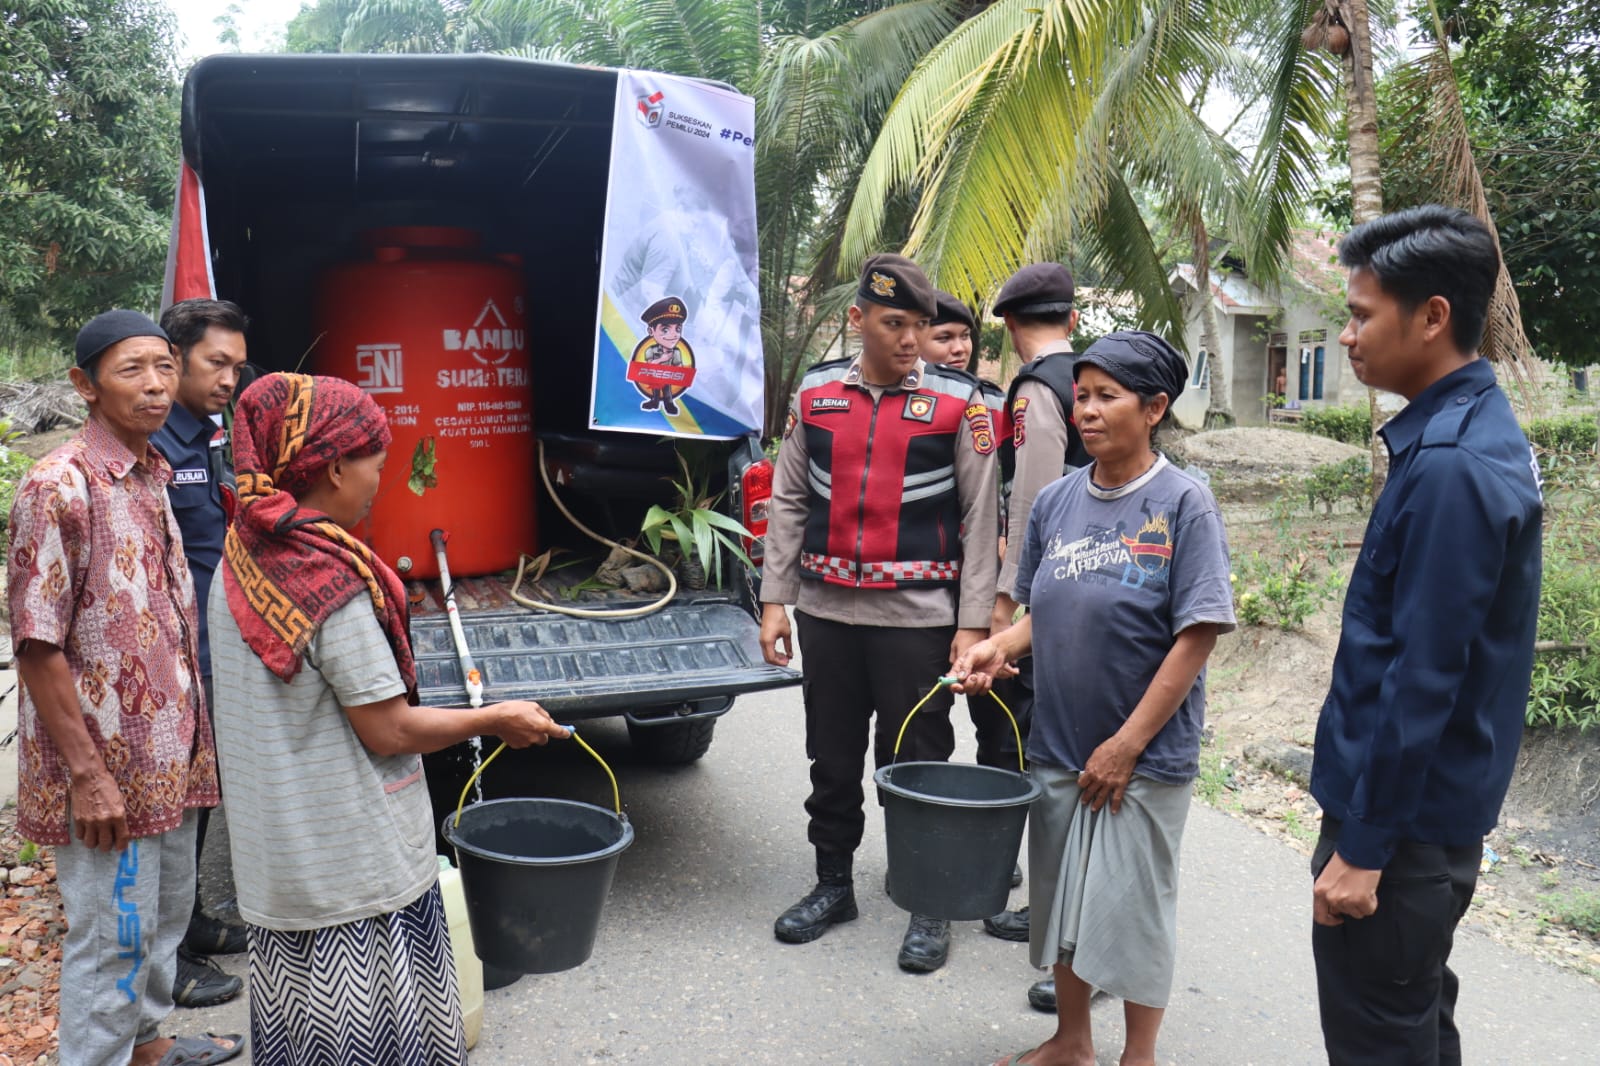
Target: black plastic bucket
(536,873)
(954,831)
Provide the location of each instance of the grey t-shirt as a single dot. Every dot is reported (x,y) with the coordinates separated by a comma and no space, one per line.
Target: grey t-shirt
(324,832)
(1111,578)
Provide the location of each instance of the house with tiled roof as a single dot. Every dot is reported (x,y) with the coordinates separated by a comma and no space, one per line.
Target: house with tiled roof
(1278,343)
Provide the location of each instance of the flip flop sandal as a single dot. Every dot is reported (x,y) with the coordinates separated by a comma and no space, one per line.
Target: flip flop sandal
(202,1050)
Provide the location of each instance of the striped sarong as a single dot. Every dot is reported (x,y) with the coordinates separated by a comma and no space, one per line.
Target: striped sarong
(376,992)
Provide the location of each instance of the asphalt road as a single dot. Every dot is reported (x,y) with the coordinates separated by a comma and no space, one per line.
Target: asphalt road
(686,970)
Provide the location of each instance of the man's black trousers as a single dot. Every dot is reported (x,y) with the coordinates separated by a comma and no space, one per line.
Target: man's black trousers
(997,741)
(1387,996)
(851,672)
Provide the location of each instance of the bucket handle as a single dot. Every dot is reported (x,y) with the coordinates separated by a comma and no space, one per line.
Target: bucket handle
(946,682)
(616,794)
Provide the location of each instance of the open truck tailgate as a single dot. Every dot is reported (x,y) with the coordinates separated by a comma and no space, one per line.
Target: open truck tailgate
(583,668)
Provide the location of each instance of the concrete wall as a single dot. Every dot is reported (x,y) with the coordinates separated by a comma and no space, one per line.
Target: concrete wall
(1244,341)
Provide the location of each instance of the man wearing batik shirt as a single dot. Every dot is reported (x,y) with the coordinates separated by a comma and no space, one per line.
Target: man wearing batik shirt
(116,754)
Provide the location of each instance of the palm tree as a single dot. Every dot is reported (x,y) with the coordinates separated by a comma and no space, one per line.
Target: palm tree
(1027,132)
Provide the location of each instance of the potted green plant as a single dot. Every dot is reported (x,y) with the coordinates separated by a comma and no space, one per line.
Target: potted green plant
(696,527)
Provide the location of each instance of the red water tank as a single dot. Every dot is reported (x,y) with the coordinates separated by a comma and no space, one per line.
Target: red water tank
(434,329)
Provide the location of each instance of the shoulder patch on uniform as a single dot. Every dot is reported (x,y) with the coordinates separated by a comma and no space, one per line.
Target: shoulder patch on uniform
(789,423)
(982,427)
(1019,426)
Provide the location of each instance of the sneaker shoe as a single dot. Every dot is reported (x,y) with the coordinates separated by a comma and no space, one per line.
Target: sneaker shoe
(201,982)
(213,936)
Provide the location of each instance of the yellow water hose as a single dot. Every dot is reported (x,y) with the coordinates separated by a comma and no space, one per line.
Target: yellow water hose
(589,612)
(616,793)
(945,682)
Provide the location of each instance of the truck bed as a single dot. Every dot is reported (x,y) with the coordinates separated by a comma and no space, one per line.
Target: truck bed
(702,645)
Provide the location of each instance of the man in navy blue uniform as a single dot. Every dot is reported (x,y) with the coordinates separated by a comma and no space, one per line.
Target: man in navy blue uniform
(1420,730)
(209,338)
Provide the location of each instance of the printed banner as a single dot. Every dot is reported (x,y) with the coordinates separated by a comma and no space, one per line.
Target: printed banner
(678,331)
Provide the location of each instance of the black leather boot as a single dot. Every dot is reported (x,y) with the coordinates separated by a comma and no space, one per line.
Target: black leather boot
(832,901)
(1009,925)
(1042,995)
(926,945)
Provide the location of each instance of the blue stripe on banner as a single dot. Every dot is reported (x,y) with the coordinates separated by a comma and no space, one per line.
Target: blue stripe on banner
(129,937)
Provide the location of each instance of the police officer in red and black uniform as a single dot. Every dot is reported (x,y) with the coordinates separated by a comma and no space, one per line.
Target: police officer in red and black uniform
(883,535)
(1036,304)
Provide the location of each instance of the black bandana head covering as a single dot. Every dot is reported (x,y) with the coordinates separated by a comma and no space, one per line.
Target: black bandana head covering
(1139,361)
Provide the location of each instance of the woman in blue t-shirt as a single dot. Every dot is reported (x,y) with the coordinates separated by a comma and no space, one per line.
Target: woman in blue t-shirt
(1125,573)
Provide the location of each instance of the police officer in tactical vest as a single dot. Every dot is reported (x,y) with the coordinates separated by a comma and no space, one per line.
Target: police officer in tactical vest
(883,535)
(1036,304)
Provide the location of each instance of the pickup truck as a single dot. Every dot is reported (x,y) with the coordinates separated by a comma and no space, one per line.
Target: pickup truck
(296,155)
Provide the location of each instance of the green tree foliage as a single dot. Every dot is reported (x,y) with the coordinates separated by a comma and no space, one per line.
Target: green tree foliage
(1529,77)
(412,26)
(1030,130)
(88,159)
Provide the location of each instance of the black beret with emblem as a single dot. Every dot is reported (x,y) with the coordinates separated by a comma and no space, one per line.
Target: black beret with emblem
(666,309)
(895,281)
(950,309)
(1036,289)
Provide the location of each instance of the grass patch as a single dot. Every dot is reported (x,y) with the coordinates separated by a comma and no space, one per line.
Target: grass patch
(1577,908)
(1216,775)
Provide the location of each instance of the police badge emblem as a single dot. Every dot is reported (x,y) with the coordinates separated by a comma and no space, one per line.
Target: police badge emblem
(882,285)
(919,408)
(982,428)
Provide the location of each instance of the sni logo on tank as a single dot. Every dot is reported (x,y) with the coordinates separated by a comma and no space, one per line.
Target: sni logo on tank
(491,342)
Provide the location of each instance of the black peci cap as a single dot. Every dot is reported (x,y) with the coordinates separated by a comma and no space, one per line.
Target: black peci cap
(109,327)
(1036,289)
(951,309)
(895,281)
(666,309)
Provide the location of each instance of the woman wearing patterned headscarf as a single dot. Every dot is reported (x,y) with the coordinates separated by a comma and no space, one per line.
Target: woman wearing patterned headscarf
(329,818)
(1125,572)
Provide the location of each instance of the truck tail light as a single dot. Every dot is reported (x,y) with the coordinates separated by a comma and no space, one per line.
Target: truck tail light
(755,490)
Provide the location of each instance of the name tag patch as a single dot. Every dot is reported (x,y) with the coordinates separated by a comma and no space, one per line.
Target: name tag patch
(824,404)
(193,476)
(920,408)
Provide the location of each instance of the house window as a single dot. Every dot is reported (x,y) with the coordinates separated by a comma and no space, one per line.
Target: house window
(1319,366)
(1305,374)
(1200,378)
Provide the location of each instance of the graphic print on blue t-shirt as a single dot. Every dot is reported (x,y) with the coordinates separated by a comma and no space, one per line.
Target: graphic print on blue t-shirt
(1132,557)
